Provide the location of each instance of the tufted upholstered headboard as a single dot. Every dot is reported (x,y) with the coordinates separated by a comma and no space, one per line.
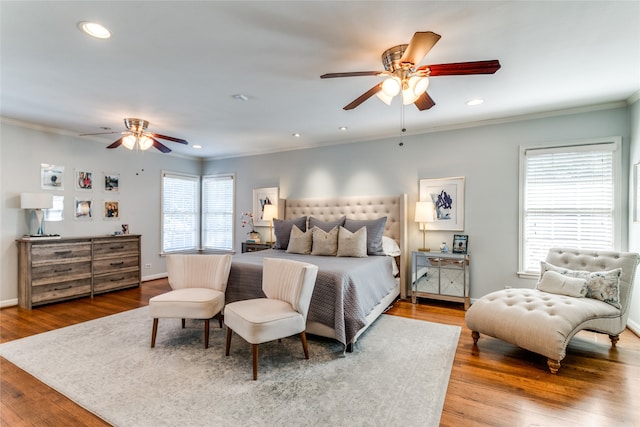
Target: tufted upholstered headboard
(360,208)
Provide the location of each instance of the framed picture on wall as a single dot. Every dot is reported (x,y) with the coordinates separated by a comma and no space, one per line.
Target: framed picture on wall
(84,180)
(262,197)
(112,182)
(83,209)
(111,209)
(447,196)
(51,177)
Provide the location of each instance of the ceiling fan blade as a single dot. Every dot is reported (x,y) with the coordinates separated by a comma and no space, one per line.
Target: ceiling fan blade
(99,133)
(420,44)
(424,102)
(117,143)
(161,146)
(359,100)
(353,74)
(169,138)
(463,68)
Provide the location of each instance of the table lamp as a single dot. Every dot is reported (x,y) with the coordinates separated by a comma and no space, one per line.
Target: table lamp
(268,214)
(37,202)
(424,214)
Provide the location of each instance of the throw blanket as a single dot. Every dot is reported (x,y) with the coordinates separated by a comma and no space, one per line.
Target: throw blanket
(346,290)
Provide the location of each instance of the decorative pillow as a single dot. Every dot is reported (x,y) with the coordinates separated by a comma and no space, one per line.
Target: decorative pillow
(390,247)
(556,283)
(601,285)
(375,229)
(299,241)
(352,244)
(324,243)
(282,230)
(326,225)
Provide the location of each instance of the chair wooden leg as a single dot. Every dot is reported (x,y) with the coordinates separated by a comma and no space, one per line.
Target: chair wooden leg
(183,323)
(254,356)
(476,336)
(219,316)
(228,345)
(154,331)
(206,333)
(303,337)
(614,339)
(554,365)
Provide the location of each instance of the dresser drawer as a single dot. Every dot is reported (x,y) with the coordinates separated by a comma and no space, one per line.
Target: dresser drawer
(111,265)
(61,291)
(108,282)
(60,272)
(115,247)
(54,253)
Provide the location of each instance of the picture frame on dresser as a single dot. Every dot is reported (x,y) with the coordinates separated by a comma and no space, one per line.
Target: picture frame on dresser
(460,244)
(447,196)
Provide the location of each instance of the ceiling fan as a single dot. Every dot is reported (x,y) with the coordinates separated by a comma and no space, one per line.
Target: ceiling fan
(136,135)
(404,75)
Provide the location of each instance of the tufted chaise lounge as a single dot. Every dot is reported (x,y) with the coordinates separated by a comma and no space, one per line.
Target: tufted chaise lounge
(544,322)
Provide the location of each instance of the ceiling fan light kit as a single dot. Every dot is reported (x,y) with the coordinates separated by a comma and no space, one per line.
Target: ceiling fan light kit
(404,76)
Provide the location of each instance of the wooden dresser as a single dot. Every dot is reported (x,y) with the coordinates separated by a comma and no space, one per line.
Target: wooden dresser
(67,268)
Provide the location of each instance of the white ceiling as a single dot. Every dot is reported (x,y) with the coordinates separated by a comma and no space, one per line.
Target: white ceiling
(178,63)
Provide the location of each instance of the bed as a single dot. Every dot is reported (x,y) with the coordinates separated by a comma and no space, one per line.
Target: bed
(350,292)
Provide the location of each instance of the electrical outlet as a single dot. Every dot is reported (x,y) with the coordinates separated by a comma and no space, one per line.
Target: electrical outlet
(147,266)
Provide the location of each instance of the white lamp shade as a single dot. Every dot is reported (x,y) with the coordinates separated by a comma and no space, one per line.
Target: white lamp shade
(391,86)
(270,212)
(129,141)
(424,212)
(36,201)
(145,142)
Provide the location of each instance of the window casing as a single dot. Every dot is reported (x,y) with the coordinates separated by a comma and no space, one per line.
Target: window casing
(180,212)
(569,197)
(217,212)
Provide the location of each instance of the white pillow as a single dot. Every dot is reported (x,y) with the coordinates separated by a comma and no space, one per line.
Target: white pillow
(324,243)
(299,241)
(556,283)
(390,247)
(352,244)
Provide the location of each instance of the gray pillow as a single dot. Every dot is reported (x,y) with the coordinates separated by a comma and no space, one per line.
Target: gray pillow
(282,230)
(326,225)
(352,244)
(375,230)
(300,241)
(324,243)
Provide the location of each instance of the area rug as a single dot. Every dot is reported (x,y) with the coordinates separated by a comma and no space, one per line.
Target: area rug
(396,375)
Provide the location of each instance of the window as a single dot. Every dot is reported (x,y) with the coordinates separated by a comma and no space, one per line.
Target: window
(217,212)
(569,198)
(180,212)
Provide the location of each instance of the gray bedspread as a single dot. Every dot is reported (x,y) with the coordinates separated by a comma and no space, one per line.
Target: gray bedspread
(346,290)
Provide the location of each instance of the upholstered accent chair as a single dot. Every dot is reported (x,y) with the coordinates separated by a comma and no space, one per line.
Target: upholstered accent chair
(198,284)
(578,290)
(288,286)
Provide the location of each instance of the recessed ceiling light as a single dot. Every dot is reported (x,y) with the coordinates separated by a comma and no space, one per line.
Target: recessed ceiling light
(473,102)
(197,146)
(297,135)
(240,97)
(342,128)
(94,30)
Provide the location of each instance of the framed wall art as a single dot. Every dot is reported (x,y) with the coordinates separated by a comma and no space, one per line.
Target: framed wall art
(262,197)
(111,209)
(447,196)
(83,209)
(112,182)
(83,180)
(51,177)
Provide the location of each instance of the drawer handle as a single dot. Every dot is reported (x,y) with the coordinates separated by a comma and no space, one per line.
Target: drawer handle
(63,270)
(62,252)
(62,289)
(116,247)
(117,280)
(113,264)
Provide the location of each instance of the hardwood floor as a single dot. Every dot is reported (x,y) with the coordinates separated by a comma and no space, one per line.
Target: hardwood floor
(493,384)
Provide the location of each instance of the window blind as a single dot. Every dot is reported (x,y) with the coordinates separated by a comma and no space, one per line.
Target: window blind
(180,212)
(217,212)
(568,200)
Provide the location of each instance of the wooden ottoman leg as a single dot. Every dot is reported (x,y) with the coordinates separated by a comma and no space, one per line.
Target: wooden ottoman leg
(476,336)
(554,365)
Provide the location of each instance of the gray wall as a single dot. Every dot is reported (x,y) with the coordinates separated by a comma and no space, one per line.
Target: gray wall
(634,227)
(22,150)
(487,156)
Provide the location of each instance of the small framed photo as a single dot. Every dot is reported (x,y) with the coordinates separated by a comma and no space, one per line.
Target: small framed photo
(460,243)
(112,182)
(52,177)
(111,209)
(84,180)
(262,197)
(83,209)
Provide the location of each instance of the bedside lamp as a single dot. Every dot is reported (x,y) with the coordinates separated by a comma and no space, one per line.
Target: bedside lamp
(424,214)
(37,202)
(268,214)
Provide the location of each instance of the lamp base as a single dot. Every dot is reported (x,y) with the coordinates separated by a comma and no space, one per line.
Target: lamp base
(424,249)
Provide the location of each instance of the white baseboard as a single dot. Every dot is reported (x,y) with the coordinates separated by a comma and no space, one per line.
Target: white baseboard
(154,276)
(633,327)
(9,303)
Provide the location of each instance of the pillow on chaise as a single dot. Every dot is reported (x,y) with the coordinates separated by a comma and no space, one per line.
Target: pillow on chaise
(556,283)
(282,230)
